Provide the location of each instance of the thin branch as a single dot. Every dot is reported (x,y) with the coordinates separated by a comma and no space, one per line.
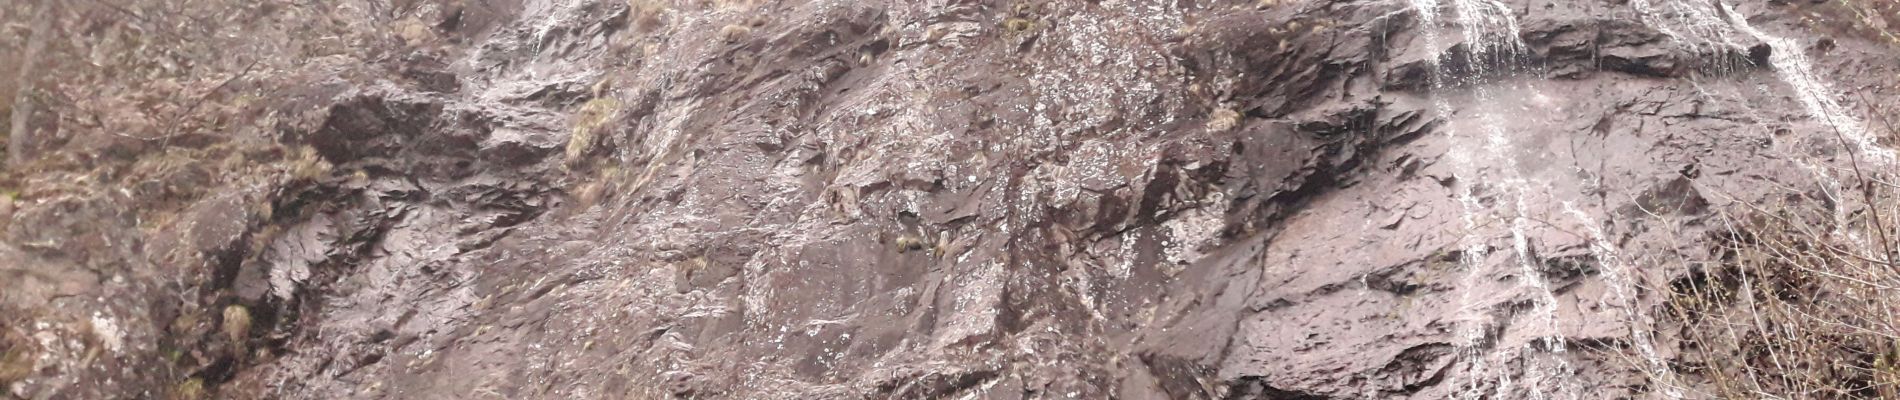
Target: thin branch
(171,128)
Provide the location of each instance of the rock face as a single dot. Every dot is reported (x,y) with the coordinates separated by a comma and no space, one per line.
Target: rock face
(1300,199)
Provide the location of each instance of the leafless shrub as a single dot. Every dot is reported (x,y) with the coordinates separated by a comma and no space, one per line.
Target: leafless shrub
(1802,300)
(1795,308)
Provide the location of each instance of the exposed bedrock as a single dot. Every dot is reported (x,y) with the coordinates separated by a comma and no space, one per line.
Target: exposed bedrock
(1299,199)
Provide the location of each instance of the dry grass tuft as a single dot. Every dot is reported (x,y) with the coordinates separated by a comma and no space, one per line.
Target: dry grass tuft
(16,358)
(734,33)
(237,323)
(190,389)
(1793,309)
(592,116)
(647,14)
(1223,119)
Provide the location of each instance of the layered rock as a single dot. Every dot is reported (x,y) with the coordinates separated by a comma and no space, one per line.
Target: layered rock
(863,199)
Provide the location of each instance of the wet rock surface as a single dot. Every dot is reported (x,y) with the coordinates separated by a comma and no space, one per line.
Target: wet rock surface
(934,199)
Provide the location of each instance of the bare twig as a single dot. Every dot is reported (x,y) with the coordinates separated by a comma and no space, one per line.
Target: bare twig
(1867,192)
(171,128)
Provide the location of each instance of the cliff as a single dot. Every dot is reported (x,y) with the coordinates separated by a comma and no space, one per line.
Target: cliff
(1293,199)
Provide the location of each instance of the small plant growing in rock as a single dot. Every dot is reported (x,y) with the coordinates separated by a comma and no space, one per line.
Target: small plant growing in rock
(16,359)
(1018,25)
(190,389)
(237,323)
(646,14)
(1223,119)
(908,243)
(587,123)
(308,164)
(734,33)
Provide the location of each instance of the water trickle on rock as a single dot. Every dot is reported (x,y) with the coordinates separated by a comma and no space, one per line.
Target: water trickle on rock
(1715,26)
(1472,329)
(1621,284)
(1492,55)
(1791,64)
